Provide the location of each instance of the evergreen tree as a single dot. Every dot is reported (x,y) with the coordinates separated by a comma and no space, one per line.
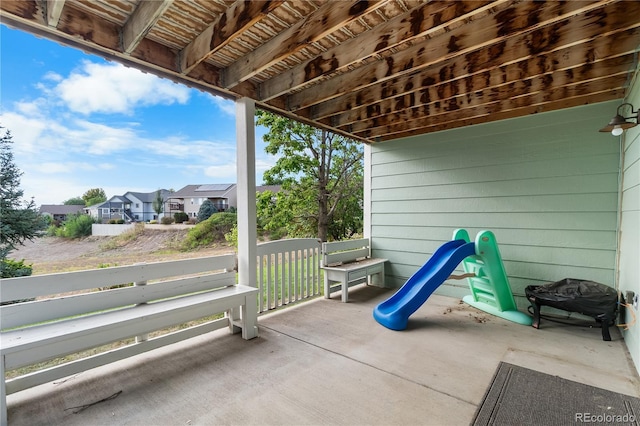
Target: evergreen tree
(206,210)
(158,203)
(19,219)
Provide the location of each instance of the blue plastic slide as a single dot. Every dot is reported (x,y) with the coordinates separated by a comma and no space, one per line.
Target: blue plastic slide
(394,313)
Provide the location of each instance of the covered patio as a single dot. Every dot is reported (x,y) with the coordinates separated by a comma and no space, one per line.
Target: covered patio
(326,362)
(475,114)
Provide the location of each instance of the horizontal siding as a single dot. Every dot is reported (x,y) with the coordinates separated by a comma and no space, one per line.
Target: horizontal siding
(546,185)
(629,260)
(588,221)
(551,167)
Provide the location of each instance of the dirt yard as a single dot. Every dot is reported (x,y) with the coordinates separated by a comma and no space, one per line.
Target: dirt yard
(53,254)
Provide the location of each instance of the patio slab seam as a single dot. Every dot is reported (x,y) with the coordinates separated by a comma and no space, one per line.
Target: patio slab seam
(450,395)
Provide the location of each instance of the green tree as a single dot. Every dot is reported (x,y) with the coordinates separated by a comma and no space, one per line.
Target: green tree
(75,201)
(158,203)
(206,210)
(94,196)
(19,219)
(321,177)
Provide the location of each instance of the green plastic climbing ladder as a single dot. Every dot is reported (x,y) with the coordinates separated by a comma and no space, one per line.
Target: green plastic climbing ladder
(490,290)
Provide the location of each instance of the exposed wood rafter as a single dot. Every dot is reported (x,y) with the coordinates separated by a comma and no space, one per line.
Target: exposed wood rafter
(54,9)
(240,16)
(141,21)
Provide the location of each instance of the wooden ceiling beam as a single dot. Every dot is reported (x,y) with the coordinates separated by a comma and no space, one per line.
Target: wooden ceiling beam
(237,18)
(143,18)
(425,20)
(429,83)
(326,20)
(552,28)
(514,88)
(608,95)
(54,10)
(501,104)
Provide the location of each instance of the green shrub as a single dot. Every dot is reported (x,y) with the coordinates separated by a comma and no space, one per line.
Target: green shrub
(76,226)
(232,236)
(120,221)
(51,231)
(181,217)
(210,231)
(112,222)
(10,268)
(166,220)
(153,222)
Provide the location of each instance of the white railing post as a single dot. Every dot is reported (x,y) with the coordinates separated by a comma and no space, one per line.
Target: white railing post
(142,337)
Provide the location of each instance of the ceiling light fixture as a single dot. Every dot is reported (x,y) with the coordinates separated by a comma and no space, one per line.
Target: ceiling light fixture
(619,124)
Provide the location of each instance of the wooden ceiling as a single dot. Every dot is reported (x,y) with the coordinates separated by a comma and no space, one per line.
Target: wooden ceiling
(374,70)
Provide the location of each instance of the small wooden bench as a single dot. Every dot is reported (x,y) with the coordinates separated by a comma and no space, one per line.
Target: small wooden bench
(66,313)
(348,263)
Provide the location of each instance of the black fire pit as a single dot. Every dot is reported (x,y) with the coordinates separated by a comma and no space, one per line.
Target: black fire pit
(584,297)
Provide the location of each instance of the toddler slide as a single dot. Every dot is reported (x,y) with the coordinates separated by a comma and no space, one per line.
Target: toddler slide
(394,313)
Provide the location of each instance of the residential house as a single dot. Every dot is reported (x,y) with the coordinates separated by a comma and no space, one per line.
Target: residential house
(130,207)
(222,195)
(60,212)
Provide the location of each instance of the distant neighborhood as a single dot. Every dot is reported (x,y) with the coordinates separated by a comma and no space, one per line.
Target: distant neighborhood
(138,206)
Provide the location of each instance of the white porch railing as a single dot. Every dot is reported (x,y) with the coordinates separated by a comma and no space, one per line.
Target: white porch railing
(288,271)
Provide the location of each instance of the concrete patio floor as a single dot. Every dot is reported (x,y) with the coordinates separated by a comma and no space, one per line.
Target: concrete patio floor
(326,362)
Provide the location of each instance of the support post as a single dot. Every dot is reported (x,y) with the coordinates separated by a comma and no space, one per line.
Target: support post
(366,208)
(246,171)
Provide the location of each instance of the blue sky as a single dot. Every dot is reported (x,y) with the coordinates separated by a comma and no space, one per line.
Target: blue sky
(80,122)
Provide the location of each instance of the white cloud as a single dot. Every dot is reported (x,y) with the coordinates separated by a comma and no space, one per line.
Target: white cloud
(53,76)
(25,131)
(98,138)
(225,172)
(264,164)
(50,189)
(114,88)
(226,106)
(73,167)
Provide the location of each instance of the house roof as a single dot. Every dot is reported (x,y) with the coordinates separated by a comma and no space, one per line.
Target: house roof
(215,190)
(272,188)
(373,70)
(60,209)
(149,197)
(204,191)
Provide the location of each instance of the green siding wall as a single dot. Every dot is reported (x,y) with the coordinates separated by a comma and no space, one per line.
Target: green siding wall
(630,223)
(546,185)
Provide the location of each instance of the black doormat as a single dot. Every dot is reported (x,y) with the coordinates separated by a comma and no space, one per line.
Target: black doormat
(519,396)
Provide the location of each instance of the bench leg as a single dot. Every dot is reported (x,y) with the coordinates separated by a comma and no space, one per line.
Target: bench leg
(249,318)
(377,279)
(327,294)
(3,395)
(234,318)
(345,289)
